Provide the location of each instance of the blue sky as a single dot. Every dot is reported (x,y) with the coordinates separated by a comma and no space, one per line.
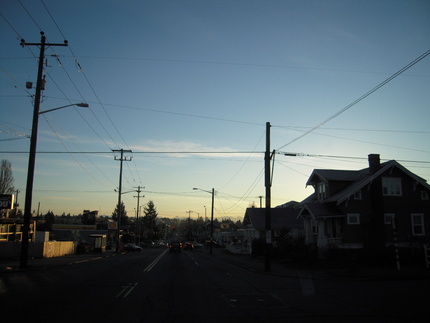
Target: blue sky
(201,79)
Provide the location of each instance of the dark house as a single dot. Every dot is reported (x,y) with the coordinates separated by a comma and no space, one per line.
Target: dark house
(369,209)
(282,219)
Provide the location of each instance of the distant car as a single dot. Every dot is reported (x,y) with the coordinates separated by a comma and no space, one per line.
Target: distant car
(147,244)
(188,246)
(175,246)
(132,247)
(159,243)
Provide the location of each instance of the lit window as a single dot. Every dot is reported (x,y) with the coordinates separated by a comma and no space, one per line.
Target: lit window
(417,224)
(321,191)
(388,218)
(391,186)
(353,218)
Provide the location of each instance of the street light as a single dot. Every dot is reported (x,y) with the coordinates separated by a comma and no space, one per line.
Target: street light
(212,213)
(30,178)
(82,105)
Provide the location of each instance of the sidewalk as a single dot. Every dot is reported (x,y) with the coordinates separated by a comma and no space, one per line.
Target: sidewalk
(13,265)
(325,272)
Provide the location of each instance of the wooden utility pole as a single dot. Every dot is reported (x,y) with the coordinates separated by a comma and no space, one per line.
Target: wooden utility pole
(33,142)
(137,231)
(121,159)
(267,183)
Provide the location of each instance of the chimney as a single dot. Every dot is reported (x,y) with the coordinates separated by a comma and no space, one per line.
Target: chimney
(374,163)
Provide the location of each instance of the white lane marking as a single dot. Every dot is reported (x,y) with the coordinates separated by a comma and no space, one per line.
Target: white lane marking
(152,264)
(126,290)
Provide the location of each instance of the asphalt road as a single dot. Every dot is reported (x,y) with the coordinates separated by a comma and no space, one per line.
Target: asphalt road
(157,286)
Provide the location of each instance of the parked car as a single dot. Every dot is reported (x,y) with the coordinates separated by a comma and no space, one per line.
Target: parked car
(197,245)
(132,247)
(188,246)
(175,246)
(147,244)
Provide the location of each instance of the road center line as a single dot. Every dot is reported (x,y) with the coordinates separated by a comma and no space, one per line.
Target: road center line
(152,264)
(126,290)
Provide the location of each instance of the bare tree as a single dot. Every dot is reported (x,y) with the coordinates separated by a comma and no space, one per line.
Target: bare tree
(6,178)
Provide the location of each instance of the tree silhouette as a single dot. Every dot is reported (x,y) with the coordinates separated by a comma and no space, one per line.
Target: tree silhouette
(149,226)
(124,217)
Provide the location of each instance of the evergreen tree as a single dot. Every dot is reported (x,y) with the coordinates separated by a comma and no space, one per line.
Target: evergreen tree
(124,217)
(149,225)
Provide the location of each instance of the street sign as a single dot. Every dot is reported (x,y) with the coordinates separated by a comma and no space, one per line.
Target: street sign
(6,201)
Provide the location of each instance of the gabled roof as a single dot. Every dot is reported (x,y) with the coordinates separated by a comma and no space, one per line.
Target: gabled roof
(326,175)
(281,218)
(358,179)
(323,210)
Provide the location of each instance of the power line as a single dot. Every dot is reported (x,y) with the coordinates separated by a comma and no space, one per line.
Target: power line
(75,159)
(360,98)
(236,64)
(137,152)
(357,129)
(294,154)
(186,114)
(31,17)
(81,70)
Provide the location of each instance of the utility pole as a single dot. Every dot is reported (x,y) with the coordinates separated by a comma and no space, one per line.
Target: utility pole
(212,221)
(137,213)
(268,214)
(121,159)
(33,141)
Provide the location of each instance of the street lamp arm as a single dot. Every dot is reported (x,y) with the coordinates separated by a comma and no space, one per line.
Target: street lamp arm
(82,105)
(115,190)
(200,189)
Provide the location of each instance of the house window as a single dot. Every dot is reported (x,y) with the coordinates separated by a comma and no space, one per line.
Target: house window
(424,195)
(314,225)
(321,191)
(353,218)
(417,224)
(391,186)
(388,218)
(357,195)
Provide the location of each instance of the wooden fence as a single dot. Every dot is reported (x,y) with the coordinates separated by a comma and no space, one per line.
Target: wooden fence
(49,249)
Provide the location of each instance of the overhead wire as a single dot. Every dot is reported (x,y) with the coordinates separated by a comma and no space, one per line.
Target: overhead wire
(92,88)
(239,64)
(244,163)
(362,141)
(74,158)
(296,128)
(89,84)
(59,88)
(415,61)
(74,144)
